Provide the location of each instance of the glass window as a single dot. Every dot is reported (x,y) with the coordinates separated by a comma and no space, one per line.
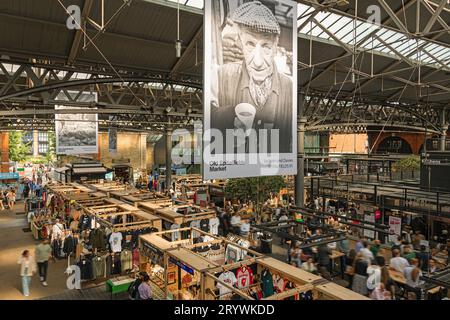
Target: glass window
(43,148)
(43,136)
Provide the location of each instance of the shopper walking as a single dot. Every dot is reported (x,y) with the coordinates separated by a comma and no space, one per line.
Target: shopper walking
(43,252)
(27,270)
(2,200)
(11,197)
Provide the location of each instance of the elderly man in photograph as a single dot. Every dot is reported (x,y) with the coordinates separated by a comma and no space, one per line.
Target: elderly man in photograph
(254,87)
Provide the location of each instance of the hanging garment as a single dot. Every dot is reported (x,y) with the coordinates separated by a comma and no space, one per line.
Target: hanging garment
(214,225)
(244,277)
(108,265)
(99,267)
(115,241)
(195,224)
(85,265)
(126,260)
(85,222)
(204,225)
(267,283)
(116,264)
(232,254)
(136,258)
(229,278)
(70,244)
(97,238)
(175,235)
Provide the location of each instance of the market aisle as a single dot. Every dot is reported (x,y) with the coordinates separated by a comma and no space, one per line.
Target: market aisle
(13,240)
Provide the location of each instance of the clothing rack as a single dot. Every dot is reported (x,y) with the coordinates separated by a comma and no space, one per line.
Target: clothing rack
(291,292)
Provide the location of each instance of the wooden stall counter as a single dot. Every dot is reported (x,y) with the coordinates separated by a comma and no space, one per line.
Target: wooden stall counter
(333,291)
(292,273)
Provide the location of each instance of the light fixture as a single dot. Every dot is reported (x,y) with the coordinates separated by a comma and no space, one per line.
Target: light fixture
(178,41)
(178,48)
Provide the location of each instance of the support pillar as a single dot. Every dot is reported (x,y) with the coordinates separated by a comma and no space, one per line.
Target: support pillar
(444,128)
(4,141)
(35,143)
(300,177)
(168,158)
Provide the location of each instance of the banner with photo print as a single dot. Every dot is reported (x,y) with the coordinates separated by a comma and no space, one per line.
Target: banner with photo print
(250,93)
(76,133)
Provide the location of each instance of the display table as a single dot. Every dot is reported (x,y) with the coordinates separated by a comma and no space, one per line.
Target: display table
(118,285)
(339,256)
(397,277)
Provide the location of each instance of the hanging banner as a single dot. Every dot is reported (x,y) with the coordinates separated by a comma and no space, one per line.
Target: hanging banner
(112,137)
(369,233)
(76,133)
(395,225)
(250,93)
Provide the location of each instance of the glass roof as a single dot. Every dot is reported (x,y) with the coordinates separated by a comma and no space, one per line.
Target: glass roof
(357,32)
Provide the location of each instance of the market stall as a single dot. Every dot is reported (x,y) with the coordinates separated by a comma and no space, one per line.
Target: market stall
(196,265)
(135,196)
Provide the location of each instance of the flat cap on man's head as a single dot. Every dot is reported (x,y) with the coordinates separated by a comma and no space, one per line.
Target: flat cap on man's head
(256,16)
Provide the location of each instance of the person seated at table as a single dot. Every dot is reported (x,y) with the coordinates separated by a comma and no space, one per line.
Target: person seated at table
(408,253)
(235,223)
(359,281)
(432,266)
(380,293)
(375,247)
(423,256)
(309,266)
(381,253)
(366,253)
(359,244)
(412,274)
(349,259)
(386,279)
(244,228)
(416,238)
(397,262)
(296,254)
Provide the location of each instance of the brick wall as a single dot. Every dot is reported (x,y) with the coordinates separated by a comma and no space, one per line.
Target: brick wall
(131,146)
(348,143)
(4,143)
(415,140)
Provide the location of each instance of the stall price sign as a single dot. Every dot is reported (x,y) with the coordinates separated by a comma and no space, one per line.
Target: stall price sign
(181,265)
(395,226)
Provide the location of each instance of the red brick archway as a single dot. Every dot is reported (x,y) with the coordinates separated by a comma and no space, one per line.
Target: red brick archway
(415,140)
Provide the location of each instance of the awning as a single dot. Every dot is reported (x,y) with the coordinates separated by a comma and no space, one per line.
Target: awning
(62,169)
(89,170)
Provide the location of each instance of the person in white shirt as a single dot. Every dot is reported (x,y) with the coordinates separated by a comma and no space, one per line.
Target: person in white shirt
(245,228)
(57,230)
(27,270)
(412,274)
(235,222)
(397,262)
(366,253)
(374,277)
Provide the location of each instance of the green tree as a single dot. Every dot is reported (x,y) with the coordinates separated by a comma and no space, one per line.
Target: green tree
(18,150)
(50,156)
(409,163)
(257,189)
